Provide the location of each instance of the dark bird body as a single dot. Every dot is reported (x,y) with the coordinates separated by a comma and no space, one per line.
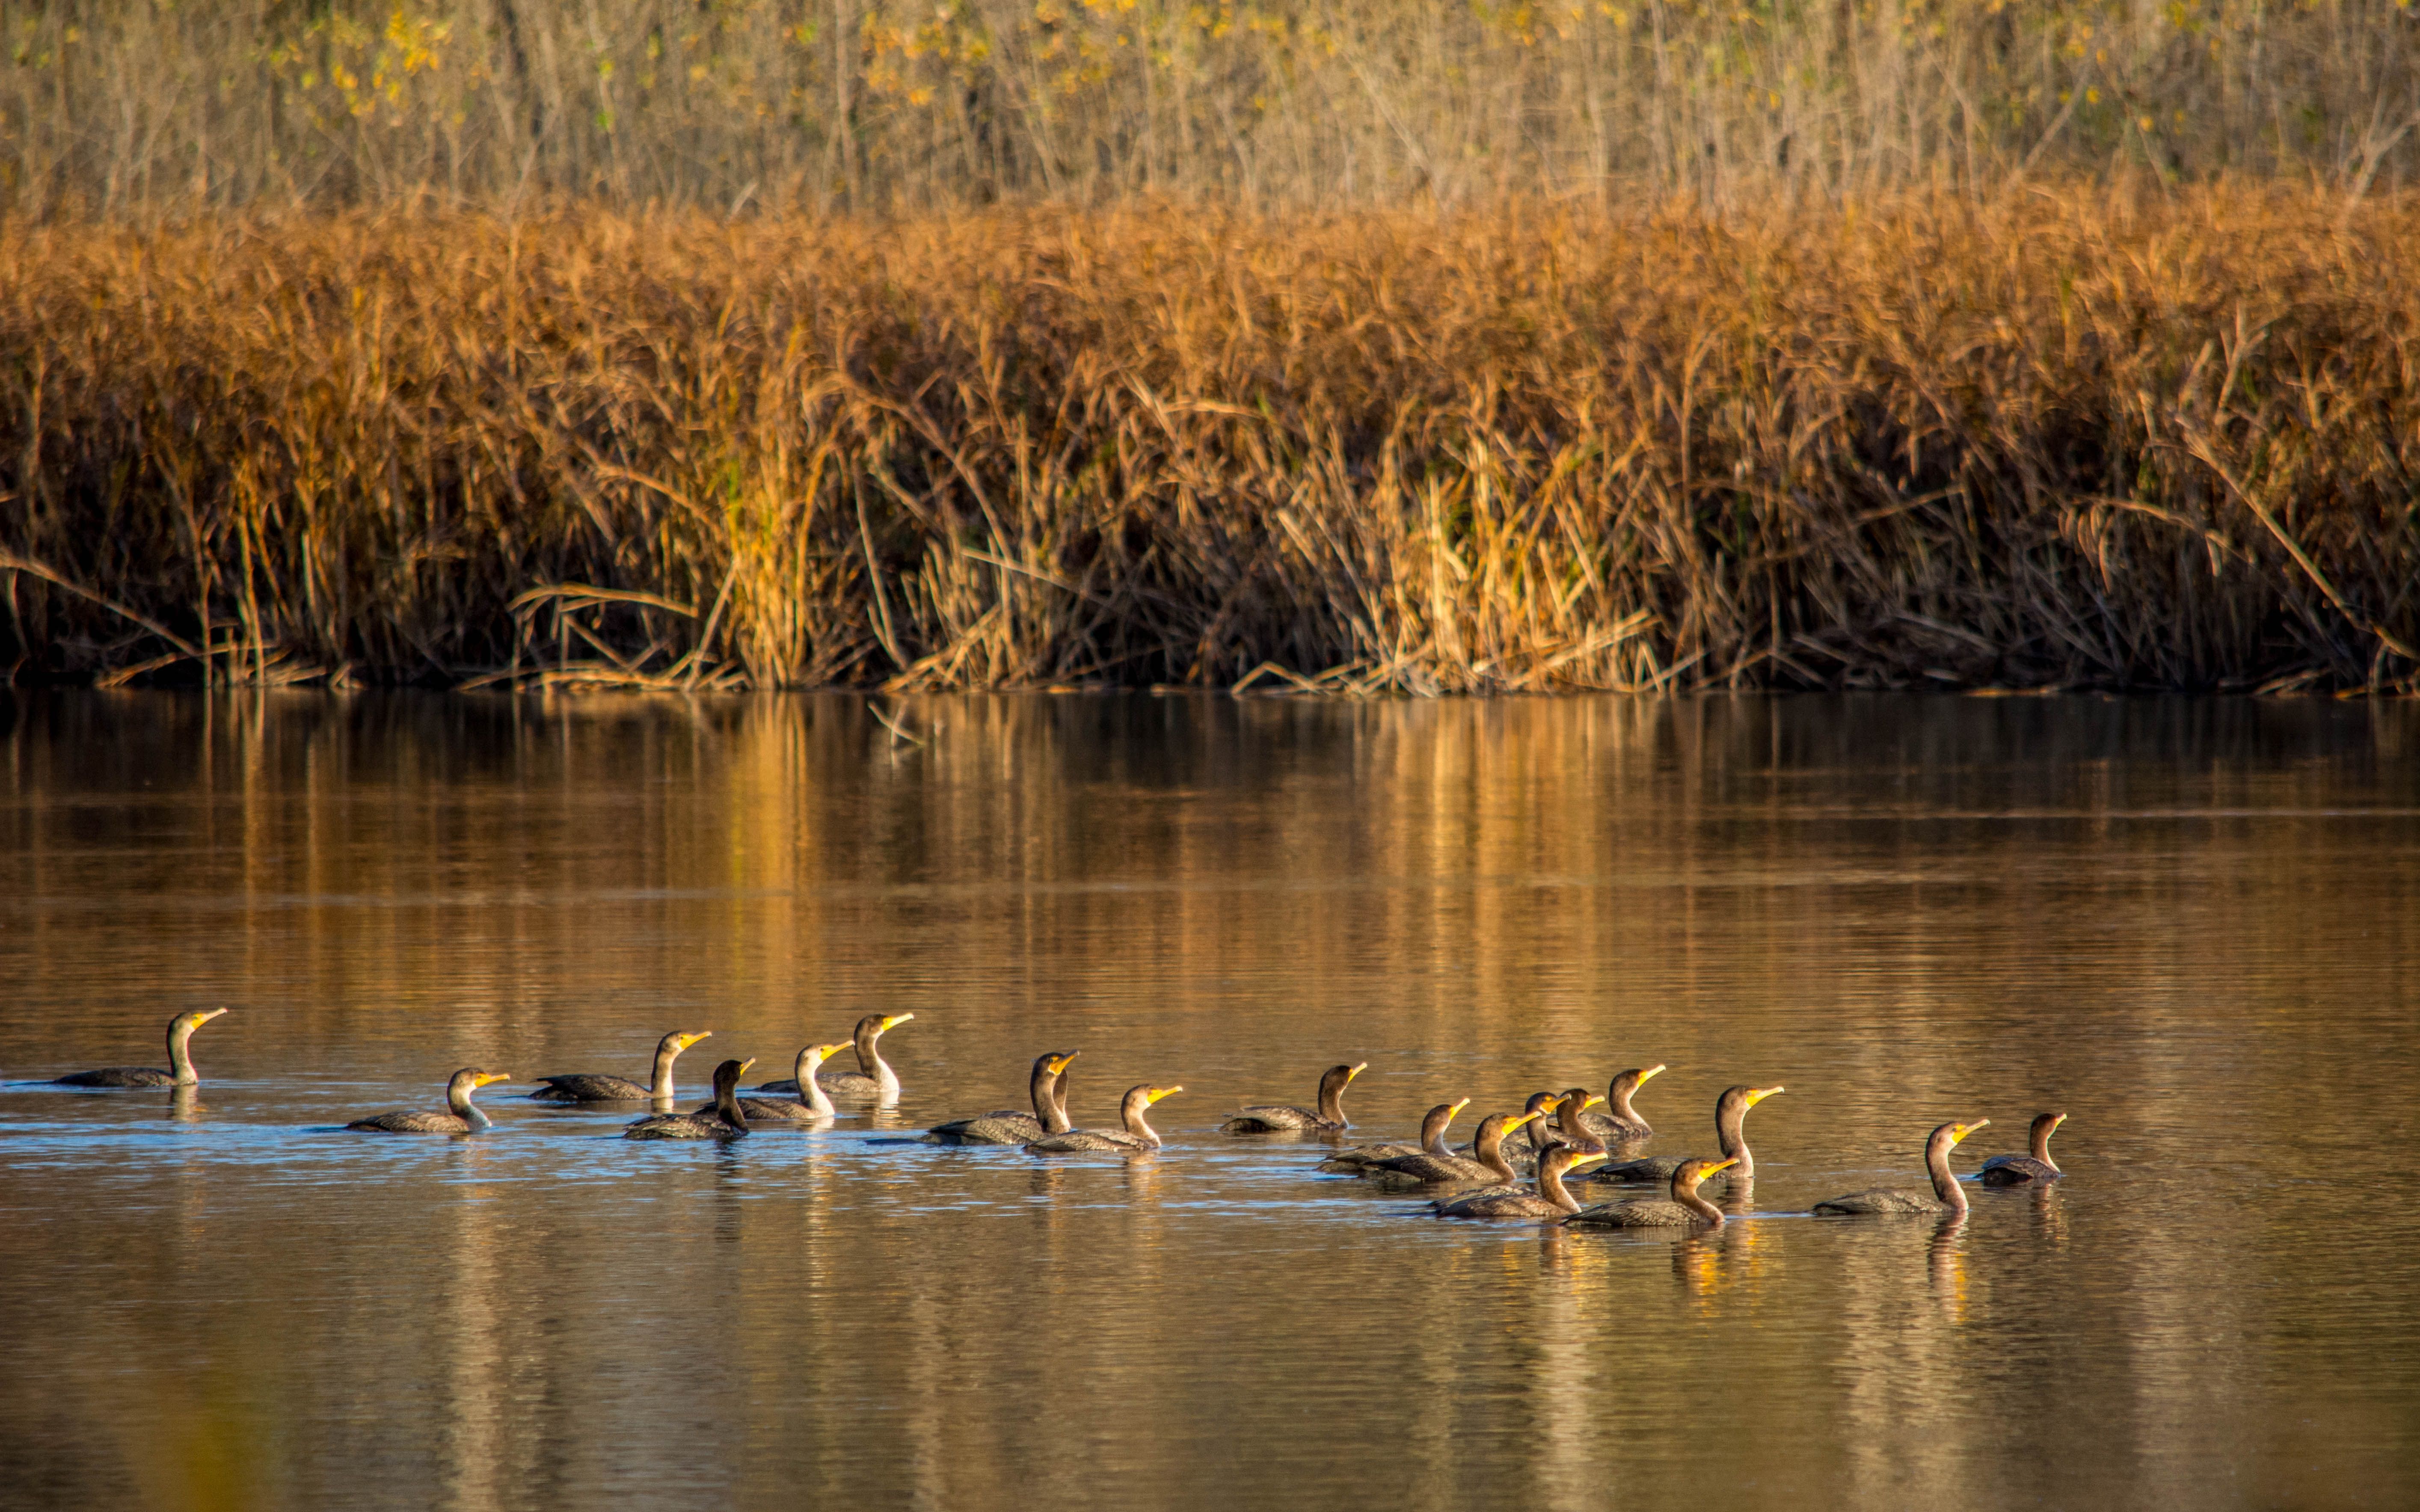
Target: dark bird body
(1945,1197)
(1619,1123)
(462,1116)
(727,1121)
(1485,1163)
(1684,1209)
(1046,1087)
(181,1070)
(1549,1201)
(1137,1136)
(2016,1170)
(1282,1119)
(596,1087)
(815,1109)
(1730,1133)
(874,1081)
(1360,1158)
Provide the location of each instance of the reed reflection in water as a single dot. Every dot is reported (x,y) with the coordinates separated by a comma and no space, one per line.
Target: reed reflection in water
(2188,923)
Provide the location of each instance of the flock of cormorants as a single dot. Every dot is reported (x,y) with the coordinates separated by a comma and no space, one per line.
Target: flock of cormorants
(1557,1134)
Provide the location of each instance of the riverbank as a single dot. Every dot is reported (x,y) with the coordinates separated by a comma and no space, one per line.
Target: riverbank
(2067,440)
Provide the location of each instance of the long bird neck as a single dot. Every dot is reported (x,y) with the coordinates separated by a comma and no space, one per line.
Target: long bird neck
(1686,1193)
(1050,1091)
(869,1060)
(457,1100)
(1730,1129)
(1945,1181)
(1566,1118)
(659,1085)
(1331,1103)
(1488,1149)
(1533,1131)
(180,1053)
(811,1089)
(1137,1123)
(726,1103)
(2041,1145)
(1550,1186)
(1433,1139)
(868,1057)
(1617,1101)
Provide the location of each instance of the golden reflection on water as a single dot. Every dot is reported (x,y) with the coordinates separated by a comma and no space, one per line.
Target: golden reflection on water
(2191,923)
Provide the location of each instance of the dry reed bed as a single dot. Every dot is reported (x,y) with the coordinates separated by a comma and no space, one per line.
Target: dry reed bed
(2062,442)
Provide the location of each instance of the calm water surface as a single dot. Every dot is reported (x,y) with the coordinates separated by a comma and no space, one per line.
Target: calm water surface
(2192,925)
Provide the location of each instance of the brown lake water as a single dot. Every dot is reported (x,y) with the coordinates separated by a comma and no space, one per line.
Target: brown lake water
(2191,924)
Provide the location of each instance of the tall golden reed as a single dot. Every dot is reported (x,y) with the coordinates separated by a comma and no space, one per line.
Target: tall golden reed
(2061,439)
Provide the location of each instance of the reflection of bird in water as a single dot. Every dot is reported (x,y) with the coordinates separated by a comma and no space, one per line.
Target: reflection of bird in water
(181,1070)
(1555,1255)
(1619,1123)
(1485,1162)
(1730,1115)
(874,1081)
(1358,1158)
(1709,1262)
(1945,1197)
(2016,1170)
(1683,1209)
(1948,1264)
(727,1121)
(1281,1118)
(2050,1214)
(1047,1087)
(591,1086)
(1136,1137)
(462,1116)
(1549,1201)
(790,1110)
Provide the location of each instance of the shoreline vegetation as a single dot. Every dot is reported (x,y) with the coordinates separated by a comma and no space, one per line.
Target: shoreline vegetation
(823,107)
(2073,435)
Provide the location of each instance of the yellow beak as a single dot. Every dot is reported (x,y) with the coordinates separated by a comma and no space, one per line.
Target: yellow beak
(895,1020)
(1758,1094)
(495,1076)
(1158,1093)
(1650,1074)
(1964,1129)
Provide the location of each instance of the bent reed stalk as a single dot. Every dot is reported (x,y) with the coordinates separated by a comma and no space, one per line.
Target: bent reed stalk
(2064,439)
